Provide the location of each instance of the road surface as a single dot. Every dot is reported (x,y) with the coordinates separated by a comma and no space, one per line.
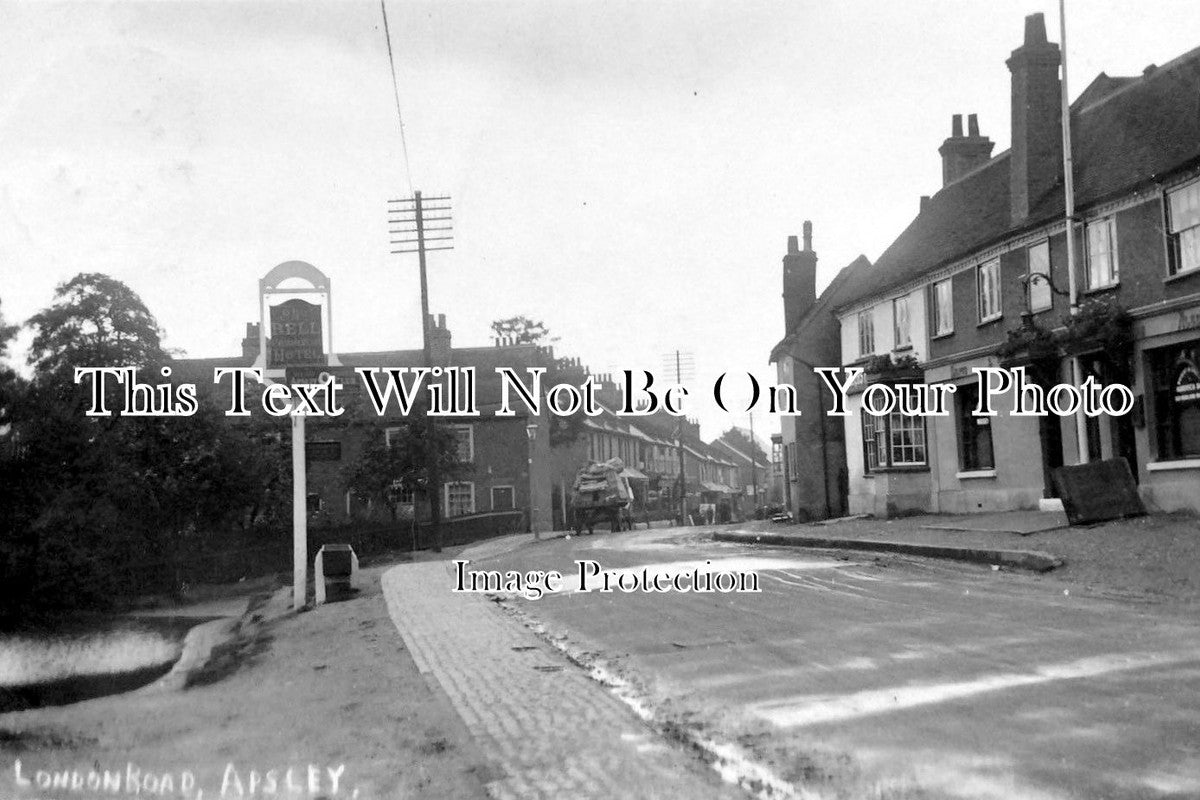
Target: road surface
(894,678)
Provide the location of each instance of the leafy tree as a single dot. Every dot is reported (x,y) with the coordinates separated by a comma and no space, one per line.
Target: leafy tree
(94,321)
(91,496)
(384,469)
(10,382)
(523,330)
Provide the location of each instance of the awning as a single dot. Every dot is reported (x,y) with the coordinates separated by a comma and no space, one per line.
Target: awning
(709,486)
(634,474)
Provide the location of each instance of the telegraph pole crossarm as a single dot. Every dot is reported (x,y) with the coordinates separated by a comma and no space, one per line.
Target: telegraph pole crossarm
(408,216)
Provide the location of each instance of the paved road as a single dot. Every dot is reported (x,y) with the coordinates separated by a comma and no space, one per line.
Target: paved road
(895,678)
(551,732)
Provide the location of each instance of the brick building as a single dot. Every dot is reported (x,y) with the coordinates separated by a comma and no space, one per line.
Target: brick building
(965,285)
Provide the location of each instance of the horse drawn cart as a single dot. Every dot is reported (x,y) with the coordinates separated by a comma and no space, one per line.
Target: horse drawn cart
(602,494)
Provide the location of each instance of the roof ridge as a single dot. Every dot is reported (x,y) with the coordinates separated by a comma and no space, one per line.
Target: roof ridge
(1137,80)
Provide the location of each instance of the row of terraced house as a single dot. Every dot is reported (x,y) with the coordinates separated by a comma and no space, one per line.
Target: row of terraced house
(980,278)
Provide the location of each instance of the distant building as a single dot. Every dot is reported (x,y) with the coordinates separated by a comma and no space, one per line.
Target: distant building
(509,468)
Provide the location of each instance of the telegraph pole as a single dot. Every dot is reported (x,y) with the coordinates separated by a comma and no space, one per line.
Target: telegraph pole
(680,359)
(1069,198)
(409,215)
(753,461)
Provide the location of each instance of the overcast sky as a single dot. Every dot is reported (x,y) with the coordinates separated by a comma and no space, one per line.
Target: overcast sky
(626,172)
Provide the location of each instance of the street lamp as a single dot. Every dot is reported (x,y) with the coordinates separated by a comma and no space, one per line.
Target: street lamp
(531,434)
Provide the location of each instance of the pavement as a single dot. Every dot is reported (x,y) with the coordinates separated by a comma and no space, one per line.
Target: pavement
(1153,559)
(550,729)
(1017,559)
(848,675)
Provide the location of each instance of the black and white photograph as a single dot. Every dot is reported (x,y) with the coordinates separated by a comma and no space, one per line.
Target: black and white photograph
(737,401)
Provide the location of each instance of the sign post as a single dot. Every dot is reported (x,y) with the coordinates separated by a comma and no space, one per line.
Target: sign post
(299,513)
(300,336)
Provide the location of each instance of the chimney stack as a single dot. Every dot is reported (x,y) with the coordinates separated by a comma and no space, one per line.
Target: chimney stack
(439,341)
(799,279)
(1036,157)
(250,343)
(961,154)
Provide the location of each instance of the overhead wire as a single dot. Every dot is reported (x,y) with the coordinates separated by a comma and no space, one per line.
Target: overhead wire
(396,92)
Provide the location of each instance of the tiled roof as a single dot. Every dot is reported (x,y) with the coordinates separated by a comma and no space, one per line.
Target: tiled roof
(1125,132)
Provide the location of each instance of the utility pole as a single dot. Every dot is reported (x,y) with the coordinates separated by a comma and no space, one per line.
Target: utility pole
(1069,191)
(683,362)
(409,215)
(753,461)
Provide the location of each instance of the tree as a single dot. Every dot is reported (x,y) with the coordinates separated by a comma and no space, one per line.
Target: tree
(96,507)
(523,330)
(389,465)
(10,382)
(94,321)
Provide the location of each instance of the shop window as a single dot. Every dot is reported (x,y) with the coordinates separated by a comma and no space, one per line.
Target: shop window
(974,433)
(987,285)
(895,440)
(1102,268)
(1176,374)
(1183,228)
(459,498)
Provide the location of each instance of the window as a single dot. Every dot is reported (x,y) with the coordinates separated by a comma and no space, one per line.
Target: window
(502,498)
(1183,228)
(401,494)
(942,305)
(974,433)
(987,282)
(793,461)
(866,333)
(1176,372)
(460,498)
(897,440)
(1039,288)
(465,435)
(1101,253)
(391,435)
(903,335)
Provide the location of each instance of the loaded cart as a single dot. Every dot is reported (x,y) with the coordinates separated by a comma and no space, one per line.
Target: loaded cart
(602,494)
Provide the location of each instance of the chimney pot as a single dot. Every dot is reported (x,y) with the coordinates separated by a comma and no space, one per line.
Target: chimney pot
(961,154)
(799,280)
(924,202)
(1035,29)
(793,244)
